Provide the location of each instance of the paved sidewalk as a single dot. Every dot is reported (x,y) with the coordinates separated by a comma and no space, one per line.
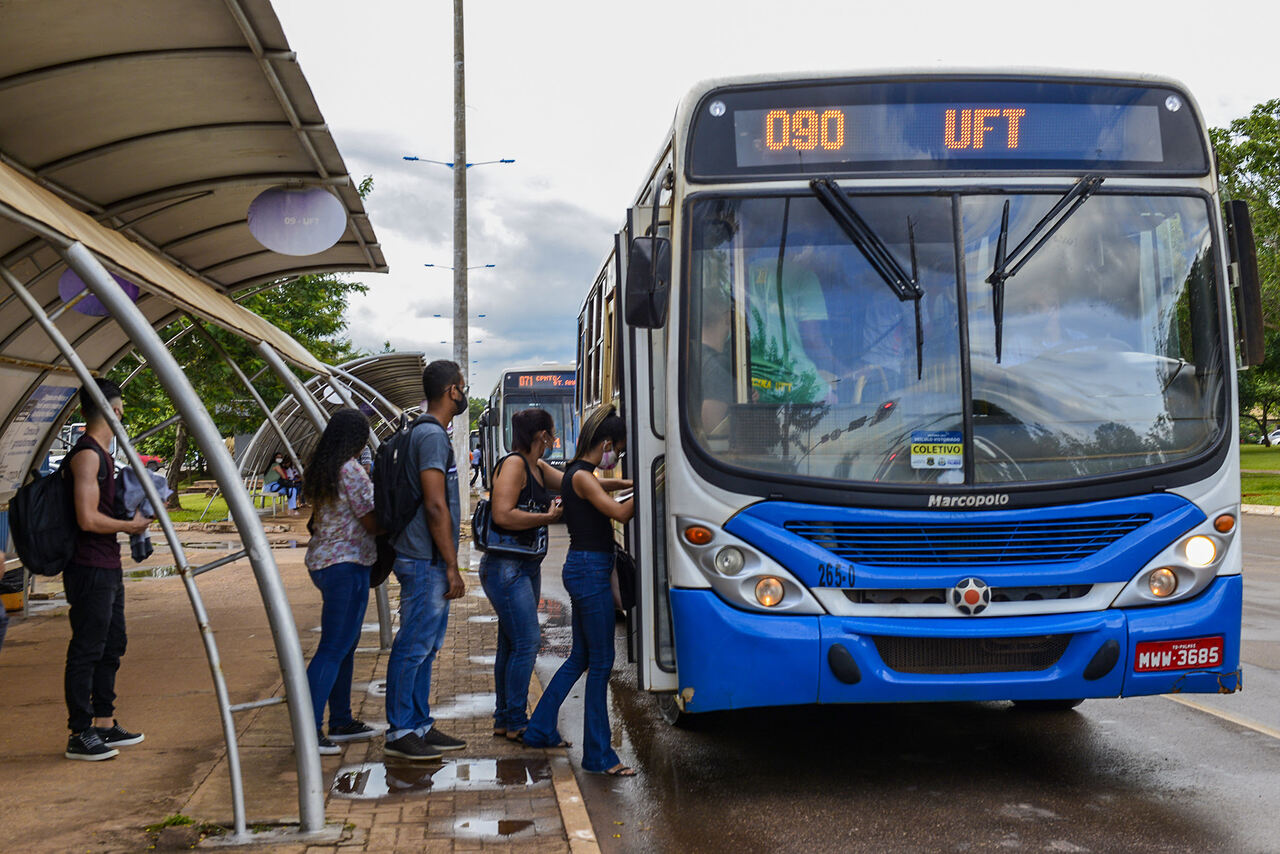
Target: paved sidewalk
(492,796)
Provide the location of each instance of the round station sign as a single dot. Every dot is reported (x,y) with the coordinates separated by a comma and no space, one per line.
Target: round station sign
(297,221)
(70,285)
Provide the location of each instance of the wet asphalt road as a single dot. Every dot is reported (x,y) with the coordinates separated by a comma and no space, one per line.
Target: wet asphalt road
(1143,774)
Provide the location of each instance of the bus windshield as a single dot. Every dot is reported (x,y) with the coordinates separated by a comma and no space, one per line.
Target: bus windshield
(802,363)
(561,408)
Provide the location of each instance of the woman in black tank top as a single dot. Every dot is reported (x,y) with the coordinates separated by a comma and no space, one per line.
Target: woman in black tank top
(521,504)
(589,513)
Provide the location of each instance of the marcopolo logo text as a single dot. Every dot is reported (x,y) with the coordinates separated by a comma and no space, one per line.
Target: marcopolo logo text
(990,499)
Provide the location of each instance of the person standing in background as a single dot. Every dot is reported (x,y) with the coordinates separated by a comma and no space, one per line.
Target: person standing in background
(339,556)
(427,569)
(94,585)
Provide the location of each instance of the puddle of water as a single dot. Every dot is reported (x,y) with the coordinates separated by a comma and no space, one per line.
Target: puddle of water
(464,706)
(376,688)
(152,572)
(473,827)
(373,780)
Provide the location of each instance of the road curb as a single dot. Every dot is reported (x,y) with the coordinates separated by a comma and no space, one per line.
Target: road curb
(1260,509)
(573,809)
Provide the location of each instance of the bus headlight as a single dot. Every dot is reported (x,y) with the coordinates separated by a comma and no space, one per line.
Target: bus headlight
(769,591)
(729,561)
(1200,551)
(1162,582)
(740,572)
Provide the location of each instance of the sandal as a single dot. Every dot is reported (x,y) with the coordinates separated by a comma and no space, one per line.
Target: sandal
(618,770)
(515,734)
(498,732)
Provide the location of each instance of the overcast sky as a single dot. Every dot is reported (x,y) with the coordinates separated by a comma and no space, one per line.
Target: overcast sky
(581,93)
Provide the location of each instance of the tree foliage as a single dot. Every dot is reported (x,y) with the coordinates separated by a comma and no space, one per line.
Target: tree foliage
(1248,153)
(311,309)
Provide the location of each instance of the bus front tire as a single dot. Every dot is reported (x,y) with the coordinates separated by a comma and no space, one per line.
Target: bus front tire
(673,714)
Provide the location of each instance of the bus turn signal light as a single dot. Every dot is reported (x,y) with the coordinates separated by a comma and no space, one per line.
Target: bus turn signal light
(1224,524)
(698,535)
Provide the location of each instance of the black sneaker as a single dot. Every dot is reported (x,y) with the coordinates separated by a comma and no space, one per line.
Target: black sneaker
(354,731)
(440,741)
(88,745)
(118,736)
(327,747)
(411,746)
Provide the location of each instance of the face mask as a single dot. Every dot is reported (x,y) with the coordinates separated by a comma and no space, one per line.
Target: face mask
(609,460)
(460,406)
(279,459)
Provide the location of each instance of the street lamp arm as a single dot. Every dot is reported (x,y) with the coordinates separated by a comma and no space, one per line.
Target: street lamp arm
(425,160)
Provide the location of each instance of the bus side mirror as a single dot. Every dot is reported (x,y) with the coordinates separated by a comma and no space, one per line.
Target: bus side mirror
(648,282)
(1244,281)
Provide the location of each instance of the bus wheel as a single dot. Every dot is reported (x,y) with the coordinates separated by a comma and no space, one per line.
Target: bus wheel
(673,714)
(1046,705)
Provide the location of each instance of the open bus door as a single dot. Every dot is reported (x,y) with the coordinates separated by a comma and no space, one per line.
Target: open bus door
(642,381)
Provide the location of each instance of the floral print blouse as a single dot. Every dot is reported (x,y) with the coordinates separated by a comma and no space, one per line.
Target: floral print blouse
(337,535)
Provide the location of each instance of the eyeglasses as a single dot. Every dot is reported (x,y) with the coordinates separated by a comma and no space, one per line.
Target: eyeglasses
(462,388)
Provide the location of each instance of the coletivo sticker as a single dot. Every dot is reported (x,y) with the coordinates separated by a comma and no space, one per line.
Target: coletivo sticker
(1195,653)
(937,449)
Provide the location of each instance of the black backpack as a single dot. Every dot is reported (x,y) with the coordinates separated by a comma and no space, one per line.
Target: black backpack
(397,492)
(42,518)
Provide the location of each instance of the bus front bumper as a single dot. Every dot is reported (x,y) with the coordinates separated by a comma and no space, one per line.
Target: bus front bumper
(730,659)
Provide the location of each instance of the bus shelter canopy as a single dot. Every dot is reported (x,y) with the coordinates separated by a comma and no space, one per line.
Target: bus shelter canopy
(396,378)
(145,130)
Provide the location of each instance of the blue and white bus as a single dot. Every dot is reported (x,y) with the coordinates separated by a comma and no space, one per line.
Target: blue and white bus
(930,385)
(551,387)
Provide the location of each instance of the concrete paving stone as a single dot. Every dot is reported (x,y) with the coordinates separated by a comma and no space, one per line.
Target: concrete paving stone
(165,690)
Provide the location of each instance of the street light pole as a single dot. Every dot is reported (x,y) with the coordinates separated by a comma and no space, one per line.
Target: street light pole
(462,423)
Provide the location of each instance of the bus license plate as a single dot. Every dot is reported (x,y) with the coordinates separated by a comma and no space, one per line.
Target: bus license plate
(1178,654)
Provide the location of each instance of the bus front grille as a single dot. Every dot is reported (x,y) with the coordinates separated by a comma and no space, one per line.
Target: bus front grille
(1000,543)
(970,655)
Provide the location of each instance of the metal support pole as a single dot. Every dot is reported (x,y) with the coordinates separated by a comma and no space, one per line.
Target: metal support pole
(380,596)
(253,392)
(369,390)
(461,434)
(147,434)
(171,536)
(295,386)
(203,430)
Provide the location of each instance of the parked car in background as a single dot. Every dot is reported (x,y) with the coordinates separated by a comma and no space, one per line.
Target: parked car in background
(1274,436)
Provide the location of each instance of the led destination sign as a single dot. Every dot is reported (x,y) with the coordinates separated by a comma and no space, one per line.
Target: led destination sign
(566,380)
(854,133)
(944,124)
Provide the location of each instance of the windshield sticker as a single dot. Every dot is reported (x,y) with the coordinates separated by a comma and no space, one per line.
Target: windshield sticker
(937,449)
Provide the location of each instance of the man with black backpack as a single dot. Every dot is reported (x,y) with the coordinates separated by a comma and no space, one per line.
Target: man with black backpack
(94,585)
(420,482)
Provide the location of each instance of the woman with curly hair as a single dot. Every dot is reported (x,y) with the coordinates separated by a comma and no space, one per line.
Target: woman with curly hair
(522,508)
(339,557)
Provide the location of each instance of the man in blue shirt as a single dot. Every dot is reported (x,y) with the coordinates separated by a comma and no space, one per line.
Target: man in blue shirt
(427,569)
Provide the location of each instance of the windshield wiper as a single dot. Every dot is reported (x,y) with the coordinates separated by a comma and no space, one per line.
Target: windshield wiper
(1005,266)
(904,286)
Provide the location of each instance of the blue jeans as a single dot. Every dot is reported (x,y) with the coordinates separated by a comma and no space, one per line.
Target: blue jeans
(586,578)
(344,589)
(513,585)
(424,616)
(290,493)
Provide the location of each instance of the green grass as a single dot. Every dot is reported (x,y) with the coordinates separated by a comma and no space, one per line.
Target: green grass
(1260,488)
(193,506)
(1256,456)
